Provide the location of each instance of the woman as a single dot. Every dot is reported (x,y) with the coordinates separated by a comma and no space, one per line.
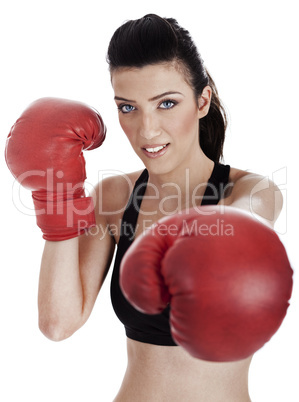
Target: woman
(170,111)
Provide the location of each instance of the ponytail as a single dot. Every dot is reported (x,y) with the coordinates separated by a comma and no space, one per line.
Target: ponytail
(213,126)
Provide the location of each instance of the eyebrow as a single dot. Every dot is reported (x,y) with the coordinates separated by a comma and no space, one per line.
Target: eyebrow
(151,99)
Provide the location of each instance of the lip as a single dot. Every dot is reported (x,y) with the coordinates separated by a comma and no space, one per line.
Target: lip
(154,155)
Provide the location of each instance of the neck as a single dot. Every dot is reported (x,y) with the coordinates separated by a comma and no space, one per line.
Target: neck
(183,183)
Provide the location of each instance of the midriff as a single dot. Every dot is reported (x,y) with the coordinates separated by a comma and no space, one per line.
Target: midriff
(169,374)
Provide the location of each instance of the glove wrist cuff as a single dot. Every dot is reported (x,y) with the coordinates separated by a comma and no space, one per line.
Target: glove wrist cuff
(63,220)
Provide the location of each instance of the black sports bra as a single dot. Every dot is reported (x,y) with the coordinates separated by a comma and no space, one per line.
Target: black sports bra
(153,329)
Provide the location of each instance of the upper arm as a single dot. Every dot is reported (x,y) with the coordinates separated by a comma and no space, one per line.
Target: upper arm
(257,195)
(96,249)
(97,245)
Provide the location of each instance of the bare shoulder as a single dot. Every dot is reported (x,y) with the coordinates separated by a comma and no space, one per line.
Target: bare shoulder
(254,193)
(250,181)
(236,174)
(111,196)
(113,192)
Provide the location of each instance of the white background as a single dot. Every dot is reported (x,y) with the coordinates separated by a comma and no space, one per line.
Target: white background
(57,48)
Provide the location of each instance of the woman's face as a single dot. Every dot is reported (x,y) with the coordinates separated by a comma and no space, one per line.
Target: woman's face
(159,114)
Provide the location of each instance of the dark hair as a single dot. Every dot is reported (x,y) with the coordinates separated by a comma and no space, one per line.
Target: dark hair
(152,40)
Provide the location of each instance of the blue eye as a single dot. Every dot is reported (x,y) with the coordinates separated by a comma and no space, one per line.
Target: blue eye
(167,104)
(126,108)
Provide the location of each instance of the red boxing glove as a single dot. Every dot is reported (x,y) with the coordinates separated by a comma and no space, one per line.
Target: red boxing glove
(44,153)
(226,276)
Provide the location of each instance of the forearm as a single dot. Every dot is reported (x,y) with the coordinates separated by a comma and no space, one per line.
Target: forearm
(60,296)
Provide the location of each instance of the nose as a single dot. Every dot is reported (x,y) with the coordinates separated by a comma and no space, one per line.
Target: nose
(149,127)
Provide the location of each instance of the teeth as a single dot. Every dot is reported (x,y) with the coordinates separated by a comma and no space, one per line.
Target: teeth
(157,149)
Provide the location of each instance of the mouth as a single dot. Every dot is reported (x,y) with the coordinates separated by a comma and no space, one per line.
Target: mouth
(155,151)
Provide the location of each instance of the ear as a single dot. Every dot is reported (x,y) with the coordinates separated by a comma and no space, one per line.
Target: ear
(204,102)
